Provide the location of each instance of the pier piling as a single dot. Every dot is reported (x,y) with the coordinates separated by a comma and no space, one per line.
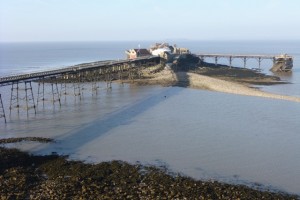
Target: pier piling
(29,97)
(23,99)
(55,93)
(41,92)
(2,111)
(14,97)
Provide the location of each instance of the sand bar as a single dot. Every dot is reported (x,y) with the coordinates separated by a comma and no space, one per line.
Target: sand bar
(192,80)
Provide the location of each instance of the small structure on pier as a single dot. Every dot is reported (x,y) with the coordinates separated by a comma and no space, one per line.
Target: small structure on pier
(163,50)
(135,53)
(168,52)
(158,49)
(282,63)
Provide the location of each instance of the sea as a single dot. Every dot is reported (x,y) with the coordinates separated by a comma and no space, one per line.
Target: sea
(202,134)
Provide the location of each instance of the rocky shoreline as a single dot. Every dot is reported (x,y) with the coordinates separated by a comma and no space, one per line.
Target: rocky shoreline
(25,176)
(239,75)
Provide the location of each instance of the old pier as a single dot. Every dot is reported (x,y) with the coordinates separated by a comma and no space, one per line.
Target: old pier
(22,95)
(282,62)
(74,77)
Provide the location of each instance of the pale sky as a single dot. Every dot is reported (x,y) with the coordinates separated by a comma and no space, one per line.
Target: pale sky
(99,20)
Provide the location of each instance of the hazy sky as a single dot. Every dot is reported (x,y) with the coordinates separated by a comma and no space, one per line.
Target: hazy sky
(90,20)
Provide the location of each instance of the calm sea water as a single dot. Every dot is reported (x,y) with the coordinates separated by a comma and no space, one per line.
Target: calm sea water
(18,58)
(203,134)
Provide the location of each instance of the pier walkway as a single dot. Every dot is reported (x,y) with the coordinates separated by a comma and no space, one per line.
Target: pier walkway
(22,95)
(282,62)
(99,65)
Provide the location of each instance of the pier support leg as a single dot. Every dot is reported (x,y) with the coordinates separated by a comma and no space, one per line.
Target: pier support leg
(77,86)
(216,61)
(77,89)
(26,97)
(245,62)
(2,111)
(55,93)
(120,74)
(230,62)
(29,97)
(14,97)
(41,93)
(63,90)
(108,79)
(95,85)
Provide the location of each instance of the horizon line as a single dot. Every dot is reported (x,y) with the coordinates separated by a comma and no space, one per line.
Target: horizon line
(151,40)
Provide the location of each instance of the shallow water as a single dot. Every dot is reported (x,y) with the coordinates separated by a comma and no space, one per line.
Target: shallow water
(207,135)
(202,134)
